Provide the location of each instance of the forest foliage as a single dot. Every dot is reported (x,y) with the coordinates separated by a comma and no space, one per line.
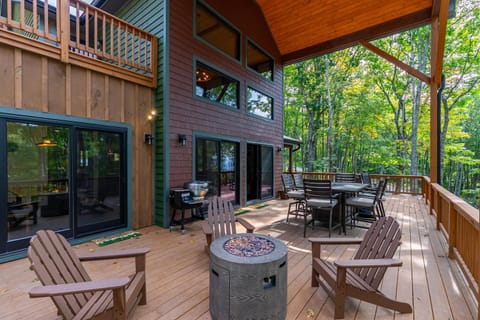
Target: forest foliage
(356,112)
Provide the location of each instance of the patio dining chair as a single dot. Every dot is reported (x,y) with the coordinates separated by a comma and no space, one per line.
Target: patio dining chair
(319,198)
(345,177)
(66,281)
(294,193)
(221,221)
(366,206)
(360,277)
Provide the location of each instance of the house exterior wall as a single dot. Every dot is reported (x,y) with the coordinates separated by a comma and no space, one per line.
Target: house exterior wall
(189,114)
(32,81)
(181,112)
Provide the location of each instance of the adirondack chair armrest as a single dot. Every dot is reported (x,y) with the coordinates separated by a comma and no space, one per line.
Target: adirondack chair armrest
(317,242)
(139,254)
(247,225)
(117,254)
(368,263)
(335,240)
(78,287)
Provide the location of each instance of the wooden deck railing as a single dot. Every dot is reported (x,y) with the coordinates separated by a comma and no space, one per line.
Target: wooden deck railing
(458,220)
(84,35)
(395,183)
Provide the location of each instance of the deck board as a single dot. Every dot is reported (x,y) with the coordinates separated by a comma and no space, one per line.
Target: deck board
(178,271)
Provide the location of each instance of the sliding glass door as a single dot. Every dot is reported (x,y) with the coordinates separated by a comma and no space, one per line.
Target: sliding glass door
(259,172)
(60,176)
(217,163)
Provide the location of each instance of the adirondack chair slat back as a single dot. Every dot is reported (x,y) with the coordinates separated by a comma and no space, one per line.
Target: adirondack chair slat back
(381,241)
(221,216)
(54,262)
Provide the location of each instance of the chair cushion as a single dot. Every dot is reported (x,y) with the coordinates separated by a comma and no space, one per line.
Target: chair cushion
(321,203)
(296,194)
(359,202)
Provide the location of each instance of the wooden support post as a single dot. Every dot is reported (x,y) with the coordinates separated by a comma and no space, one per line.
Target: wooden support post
(452,232)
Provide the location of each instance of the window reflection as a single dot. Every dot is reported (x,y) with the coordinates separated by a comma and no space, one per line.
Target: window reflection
(216,86)
(37,161)
(216,162)
(217,32)
(259,61)
(259,104)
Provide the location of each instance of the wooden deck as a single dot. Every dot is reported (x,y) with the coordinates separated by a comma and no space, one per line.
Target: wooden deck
(178,271)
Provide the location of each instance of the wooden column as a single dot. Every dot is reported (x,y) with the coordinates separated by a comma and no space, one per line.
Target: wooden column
(439,30)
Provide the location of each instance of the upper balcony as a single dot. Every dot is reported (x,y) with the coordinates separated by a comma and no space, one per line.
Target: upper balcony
(80,34)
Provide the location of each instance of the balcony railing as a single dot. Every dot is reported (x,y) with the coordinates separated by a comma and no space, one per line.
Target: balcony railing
(458,220)
(84,35)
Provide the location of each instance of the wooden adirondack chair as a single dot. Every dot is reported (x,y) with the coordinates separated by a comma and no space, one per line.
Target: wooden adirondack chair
(221,221)
(360,277)
(75,295)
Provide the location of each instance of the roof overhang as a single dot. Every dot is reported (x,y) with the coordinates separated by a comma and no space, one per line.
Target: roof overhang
(308,28)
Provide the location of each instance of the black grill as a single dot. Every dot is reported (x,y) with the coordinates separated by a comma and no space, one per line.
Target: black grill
(181,199)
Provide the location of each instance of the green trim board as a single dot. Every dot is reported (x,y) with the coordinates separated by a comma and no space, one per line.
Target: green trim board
(142,14)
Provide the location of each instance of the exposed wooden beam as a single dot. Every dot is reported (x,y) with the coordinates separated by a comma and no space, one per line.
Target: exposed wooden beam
(439,31)
(394,26)
(405,67)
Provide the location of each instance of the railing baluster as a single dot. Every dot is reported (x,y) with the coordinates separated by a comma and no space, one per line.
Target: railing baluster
(77,24)
(35,22)
(9,11)
(22,15)
(95,32)
(104,31)
(87,28)
(112,39)
(119,46)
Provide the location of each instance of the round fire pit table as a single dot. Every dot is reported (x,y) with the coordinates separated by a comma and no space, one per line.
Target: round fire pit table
(248,277)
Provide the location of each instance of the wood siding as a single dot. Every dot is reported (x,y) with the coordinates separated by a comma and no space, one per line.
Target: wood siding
(150,15)
(190,114)
(34,82)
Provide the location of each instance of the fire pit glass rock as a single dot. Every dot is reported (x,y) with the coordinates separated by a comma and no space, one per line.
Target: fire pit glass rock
(249,246)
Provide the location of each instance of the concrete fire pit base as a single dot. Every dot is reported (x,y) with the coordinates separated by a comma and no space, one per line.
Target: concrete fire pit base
(248,287)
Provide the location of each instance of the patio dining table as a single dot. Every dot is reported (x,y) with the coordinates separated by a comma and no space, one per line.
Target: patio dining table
(344,188)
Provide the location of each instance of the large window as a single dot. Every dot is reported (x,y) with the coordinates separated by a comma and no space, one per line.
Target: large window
(259,104)
(216,86)
(60,176)
(217,163)
(217,32)
(259,61)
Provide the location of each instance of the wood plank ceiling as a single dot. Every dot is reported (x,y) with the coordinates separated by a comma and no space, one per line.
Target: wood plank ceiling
(308,28)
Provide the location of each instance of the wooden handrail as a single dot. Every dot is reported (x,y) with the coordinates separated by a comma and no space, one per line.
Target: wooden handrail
(79,29)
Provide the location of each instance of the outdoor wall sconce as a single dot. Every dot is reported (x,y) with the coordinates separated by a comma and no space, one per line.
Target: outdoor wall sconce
(182,139)
(148,138)
(152,114)
(279,149)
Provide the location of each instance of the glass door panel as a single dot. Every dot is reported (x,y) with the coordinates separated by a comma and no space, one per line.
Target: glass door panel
(99,185)
(266,172)
(38,179)
(259,172)
(217,163)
